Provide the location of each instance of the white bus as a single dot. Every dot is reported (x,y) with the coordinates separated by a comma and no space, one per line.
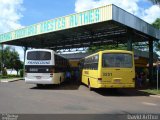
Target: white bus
(44,66)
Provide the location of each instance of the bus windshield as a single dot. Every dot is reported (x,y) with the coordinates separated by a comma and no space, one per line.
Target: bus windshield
(121,60)
(39,55)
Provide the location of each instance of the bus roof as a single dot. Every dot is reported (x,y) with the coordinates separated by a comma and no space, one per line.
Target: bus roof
(49,50)
(40,50)
(111,51)
(121,51)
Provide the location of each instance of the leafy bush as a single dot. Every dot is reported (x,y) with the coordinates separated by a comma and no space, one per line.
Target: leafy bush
(4,72)
(21,72)
(13,76)
(9,76)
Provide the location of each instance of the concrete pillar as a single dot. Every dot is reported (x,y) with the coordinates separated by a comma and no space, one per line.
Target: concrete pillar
(150,61)
(129,42)
(25,49)
(2,58)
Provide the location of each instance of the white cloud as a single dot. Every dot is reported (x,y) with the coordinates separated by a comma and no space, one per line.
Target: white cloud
(129,5)
(148,14)
(10,14)
(151,13)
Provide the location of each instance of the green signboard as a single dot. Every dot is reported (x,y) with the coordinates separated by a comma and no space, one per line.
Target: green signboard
(70,21)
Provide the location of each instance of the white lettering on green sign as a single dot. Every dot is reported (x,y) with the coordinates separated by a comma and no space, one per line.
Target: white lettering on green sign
(83,18)
(31,30)
(5,37)
(53,25)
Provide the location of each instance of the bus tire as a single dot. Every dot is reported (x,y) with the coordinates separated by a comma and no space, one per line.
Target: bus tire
(89,86)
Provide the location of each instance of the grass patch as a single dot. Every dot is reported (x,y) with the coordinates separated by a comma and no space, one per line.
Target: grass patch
(9,77)
(152,91)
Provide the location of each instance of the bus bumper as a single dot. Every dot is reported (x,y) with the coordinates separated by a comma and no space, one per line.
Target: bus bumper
(116,86)
(39,81)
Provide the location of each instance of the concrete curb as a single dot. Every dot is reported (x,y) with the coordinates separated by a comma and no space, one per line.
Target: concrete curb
(156,96)
(5,81)
(16,80)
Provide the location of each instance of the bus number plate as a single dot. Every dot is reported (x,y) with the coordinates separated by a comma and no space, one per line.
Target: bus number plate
(117,81)
(107,74)
(38,77)
(86,72)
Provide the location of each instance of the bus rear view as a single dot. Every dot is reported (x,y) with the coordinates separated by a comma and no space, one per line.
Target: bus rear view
(40,67)
(38,64)
(109,69)
(118,69)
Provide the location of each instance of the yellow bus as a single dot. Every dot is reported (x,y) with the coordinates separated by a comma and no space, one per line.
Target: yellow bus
(108,69)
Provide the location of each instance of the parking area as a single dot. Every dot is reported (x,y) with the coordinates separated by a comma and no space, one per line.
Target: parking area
(18,97)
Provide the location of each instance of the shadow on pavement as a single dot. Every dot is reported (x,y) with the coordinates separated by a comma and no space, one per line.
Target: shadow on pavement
(72,85)
(121,92)
(62,86)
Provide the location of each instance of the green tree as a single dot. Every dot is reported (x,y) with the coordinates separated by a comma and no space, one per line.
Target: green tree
(137,45)
(17,65)
(11,58)
(155,2)
(156,24)
(94,49)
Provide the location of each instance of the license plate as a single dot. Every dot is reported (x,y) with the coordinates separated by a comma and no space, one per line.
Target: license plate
(38,77)
(117,81)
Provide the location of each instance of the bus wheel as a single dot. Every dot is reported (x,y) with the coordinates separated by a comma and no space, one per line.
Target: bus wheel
(39,85)
(89,86)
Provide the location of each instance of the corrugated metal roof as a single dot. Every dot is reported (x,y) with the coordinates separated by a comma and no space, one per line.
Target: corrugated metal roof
(78,56)
(134,22)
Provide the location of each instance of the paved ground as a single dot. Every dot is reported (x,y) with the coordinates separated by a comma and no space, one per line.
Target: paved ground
(18,97)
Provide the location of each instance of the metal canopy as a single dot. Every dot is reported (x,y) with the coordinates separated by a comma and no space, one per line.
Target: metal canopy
(105,25)
(137,53)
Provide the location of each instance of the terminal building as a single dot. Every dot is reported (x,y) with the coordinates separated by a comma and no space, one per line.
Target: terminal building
(106,25)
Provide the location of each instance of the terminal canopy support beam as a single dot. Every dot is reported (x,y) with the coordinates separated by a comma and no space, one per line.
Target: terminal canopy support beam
(150,61)
(2,60)
(129,42)
(25,49)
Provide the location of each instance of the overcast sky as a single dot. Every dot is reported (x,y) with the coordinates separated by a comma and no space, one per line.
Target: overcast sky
(15,14)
